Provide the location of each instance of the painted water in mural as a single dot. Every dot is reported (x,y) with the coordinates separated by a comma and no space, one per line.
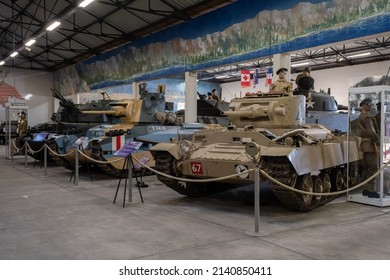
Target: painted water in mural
(293,25)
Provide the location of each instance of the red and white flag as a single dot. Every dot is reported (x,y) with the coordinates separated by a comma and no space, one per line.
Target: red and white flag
(118,142)
(268,77)
(245,78)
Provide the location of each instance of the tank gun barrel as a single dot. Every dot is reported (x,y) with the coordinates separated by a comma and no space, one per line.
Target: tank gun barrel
(252,111)
(117,111)
(63,100)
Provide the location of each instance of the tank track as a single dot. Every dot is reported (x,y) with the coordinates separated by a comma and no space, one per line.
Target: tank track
(281,170)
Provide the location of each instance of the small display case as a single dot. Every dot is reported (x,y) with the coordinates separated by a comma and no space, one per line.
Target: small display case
(373,161)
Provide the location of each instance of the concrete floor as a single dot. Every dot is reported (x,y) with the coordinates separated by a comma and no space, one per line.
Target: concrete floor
(48,217)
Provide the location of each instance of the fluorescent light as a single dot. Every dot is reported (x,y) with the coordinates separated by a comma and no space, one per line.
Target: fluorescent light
(53,25)
(2,62)
(28,96)
(14,54)
(221,76)
(359,55)
(300,64)
(85,3)
(29,43)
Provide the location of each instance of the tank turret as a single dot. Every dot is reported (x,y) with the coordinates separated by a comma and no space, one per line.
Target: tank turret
(304,156)
(322,108)
(266,111)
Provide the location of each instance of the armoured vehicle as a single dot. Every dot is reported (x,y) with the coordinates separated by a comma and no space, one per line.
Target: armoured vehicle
(321,107)
(130,118)
(304,156)
(67,125)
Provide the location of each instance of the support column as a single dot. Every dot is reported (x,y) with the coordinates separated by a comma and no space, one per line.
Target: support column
(282,61)
(190,88)
(136,90)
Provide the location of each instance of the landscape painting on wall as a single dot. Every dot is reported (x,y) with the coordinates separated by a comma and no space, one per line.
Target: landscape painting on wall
(252,30)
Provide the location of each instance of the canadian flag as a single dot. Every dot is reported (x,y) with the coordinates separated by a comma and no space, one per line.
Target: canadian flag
(245,78)
(118,142)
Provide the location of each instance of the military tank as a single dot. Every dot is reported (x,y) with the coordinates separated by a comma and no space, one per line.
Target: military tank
(68,124)
(304,156)
(130,118)
(321,107)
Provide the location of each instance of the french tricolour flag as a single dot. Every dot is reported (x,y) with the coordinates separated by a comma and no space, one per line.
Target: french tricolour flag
(118,142)
(268,78)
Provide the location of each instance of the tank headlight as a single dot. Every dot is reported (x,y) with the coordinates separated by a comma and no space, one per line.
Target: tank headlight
(185,146)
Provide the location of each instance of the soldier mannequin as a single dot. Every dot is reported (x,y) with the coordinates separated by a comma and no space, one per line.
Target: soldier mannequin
(214,95)
(281,85)
(369,147)
(21,129)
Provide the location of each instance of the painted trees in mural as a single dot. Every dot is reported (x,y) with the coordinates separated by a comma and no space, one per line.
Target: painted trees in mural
(276,30)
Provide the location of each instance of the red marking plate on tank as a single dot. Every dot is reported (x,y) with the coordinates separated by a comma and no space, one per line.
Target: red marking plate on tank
(196,167)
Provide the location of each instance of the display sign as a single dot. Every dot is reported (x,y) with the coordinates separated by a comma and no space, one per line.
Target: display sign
(79,141)
(128,148)
(40,137)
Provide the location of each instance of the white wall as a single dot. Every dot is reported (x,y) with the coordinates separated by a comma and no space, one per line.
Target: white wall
(37,83)
(339,80)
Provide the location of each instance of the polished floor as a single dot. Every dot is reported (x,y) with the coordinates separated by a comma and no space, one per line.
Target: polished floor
(45,217)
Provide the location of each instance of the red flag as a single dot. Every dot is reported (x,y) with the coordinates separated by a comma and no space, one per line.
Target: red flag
(245,78)
(268,78)
(118,142)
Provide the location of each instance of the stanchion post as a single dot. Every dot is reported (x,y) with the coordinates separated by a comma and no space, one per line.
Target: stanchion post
(45,158)
(130,178)
(25,153)
(252,150)
(257,199)
(76,166)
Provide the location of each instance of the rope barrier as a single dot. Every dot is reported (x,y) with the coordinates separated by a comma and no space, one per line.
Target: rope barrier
(100,161)
(268,177)
(57,154)
(212,179)
(31,149)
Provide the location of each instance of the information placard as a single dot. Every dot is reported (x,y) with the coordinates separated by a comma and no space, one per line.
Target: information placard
(128,148)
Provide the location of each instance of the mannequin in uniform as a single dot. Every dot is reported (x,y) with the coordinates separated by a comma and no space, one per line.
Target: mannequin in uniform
(369,146)
(281,85)
(21,129)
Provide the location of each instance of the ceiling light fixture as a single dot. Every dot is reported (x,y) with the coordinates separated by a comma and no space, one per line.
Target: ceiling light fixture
(53,26)
(2,62)
(85,3)
(14,54)
(300,64)
(28,96)
(359,55)
(30,43)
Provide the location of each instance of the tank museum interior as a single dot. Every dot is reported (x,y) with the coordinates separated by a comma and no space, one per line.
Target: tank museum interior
(195,130)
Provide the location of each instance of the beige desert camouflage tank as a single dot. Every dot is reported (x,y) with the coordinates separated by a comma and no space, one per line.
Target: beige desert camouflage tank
(304,156)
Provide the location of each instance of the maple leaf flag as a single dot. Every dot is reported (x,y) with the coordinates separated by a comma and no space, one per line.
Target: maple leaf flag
(245,78)
(268,78)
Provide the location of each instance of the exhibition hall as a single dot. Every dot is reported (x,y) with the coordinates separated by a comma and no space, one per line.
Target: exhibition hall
(194,130)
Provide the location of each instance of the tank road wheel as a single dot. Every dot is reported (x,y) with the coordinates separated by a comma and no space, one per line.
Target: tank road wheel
(337,179)
(305,183)
(318,186)
(326,182)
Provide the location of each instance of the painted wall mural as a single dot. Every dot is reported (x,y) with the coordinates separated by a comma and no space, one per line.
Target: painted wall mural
(244,30)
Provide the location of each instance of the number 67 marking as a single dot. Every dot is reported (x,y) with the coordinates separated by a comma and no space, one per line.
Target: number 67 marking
(196,167)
